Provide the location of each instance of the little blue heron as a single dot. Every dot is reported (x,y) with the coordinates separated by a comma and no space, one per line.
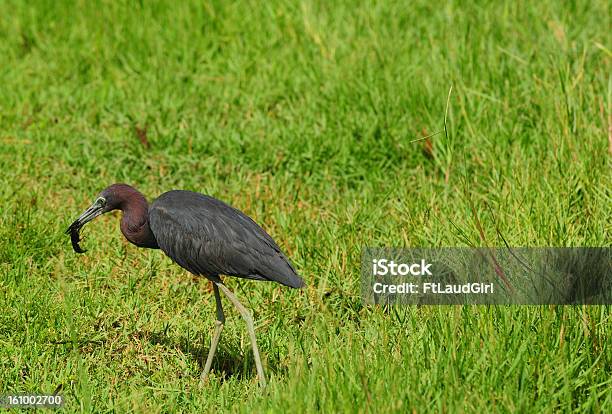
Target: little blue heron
(203,235)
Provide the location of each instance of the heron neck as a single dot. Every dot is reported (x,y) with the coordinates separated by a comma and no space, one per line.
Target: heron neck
(135,221)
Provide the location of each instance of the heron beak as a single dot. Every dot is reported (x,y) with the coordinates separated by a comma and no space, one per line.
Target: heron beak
(88,215)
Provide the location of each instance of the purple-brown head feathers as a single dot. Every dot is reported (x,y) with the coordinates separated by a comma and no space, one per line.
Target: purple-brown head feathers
(134,223)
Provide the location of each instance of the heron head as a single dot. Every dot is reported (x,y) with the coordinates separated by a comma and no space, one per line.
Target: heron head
(109,199)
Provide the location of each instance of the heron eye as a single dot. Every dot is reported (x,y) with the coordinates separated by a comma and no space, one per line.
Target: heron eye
(101,201)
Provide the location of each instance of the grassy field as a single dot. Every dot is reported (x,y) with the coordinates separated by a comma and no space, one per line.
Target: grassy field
(302,115)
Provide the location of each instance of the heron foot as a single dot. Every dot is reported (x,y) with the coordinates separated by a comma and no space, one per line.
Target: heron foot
(213,348)
(246,315)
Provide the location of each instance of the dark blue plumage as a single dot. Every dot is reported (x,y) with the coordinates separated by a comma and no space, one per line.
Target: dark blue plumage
(210,238)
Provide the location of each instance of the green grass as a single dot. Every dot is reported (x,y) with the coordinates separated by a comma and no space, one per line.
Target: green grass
(301,114)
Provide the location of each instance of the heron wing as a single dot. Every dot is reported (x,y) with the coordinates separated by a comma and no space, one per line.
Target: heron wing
(208,237)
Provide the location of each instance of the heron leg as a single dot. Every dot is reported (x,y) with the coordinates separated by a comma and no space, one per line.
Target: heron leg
(216,335)
(246,315)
